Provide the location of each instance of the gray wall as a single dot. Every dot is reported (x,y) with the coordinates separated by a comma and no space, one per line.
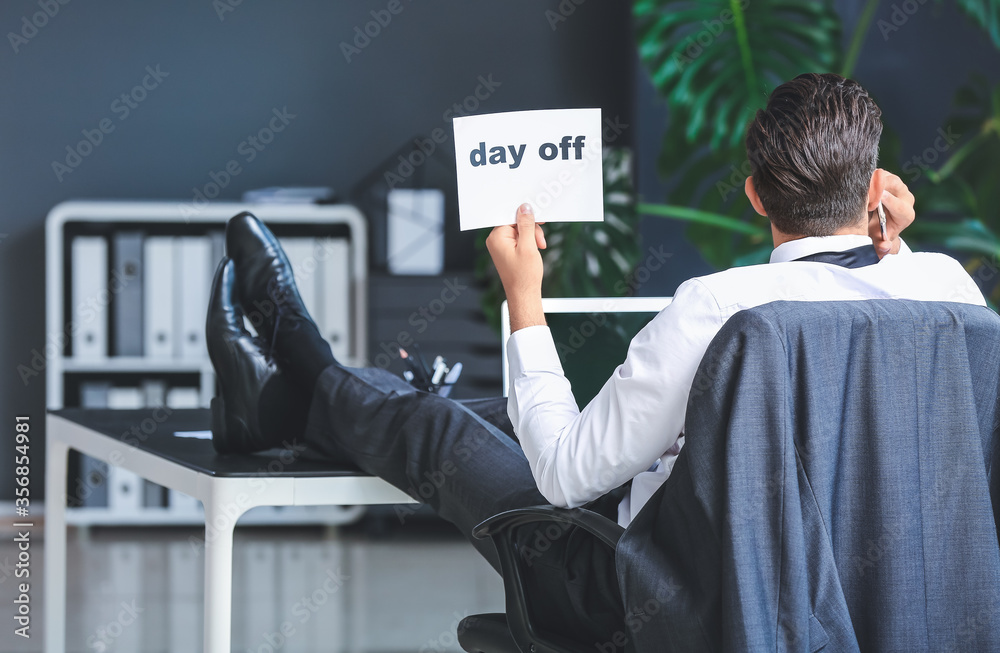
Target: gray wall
(224,79)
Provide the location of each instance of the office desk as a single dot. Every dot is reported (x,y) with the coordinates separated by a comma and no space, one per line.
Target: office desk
(143,442)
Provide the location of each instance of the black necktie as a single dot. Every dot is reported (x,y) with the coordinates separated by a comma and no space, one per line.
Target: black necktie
(858,257)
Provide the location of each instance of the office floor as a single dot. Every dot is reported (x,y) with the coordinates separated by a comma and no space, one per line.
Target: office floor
(296,590)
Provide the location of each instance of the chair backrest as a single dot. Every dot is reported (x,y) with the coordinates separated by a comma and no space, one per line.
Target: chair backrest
(836,488)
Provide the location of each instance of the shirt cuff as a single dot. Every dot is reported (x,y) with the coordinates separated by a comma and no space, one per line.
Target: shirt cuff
(903,247)
(531,349)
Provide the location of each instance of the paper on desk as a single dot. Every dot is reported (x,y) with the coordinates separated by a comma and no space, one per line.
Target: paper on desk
(197,435)
(550,158)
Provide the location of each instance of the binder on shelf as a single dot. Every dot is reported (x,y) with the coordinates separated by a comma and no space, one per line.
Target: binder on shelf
(92,489)
(94,394)
(89,297)
(125,488)
(158,297)
(152,495)
(183,397)
(125,491)
(125,398)
(334,314)
(192,280)
(154,393)
(92,481)
(127,300)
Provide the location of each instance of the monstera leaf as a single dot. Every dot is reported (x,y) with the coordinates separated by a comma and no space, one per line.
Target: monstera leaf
(582,259)
(956,176)
(716,62)
(986,13)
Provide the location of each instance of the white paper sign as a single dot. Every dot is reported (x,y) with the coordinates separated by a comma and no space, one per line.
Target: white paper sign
(551,159)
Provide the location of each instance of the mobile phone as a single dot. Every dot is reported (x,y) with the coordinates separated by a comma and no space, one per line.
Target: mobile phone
(881,219)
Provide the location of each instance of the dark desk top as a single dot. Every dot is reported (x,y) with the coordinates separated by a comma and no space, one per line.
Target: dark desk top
(153,431)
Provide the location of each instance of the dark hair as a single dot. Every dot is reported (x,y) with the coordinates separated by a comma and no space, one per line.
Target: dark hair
(812,153)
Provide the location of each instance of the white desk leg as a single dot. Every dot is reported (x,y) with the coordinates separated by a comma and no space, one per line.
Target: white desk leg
(56,461)
(218,578)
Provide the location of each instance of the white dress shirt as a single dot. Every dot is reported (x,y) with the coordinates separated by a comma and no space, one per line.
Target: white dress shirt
(633,428)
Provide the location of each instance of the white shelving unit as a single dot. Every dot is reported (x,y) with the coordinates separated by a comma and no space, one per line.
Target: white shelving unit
(65,372)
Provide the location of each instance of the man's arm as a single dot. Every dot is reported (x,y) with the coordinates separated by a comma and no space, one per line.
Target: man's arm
(639,413)
(514,249)
(577,456)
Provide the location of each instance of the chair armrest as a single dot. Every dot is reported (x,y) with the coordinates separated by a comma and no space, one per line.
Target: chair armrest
(597,525)
(527,635)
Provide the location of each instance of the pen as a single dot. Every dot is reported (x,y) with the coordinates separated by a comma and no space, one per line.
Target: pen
(422,364)
(417,370)
(450,379)
(440,369)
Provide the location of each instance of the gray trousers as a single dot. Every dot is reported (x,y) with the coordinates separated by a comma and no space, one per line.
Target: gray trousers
(461,458)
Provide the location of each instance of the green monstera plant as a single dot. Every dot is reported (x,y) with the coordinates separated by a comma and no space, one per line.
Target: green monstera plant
(716,62)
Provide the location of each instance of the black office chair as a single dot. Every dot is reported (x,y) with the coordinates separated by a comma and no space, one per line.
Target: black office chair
(904,557)
(514,632)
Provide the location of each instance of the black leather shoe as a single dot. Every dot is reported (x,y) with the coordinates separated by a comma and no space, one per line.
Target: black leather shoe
(264,279)
(240,367)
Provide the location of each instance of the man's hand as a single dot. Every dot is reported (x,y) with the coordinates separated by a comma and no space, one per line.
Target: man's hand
(514,249)
(897,200)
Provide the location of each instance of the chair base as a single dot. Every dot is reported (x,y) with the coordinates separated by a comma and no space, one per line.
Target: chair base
(486,633)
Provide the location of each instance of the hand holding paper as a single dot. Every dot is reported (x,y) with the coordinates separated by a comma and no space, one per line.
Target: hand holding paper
(514,249)
(550,159)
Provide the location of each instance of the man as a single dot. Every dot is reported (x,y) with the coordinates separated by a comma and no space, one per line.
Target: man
(813,151)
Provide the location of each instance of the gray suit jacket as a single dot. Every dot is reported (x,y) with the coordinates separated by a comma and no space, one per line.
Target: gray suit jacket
(838,487)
